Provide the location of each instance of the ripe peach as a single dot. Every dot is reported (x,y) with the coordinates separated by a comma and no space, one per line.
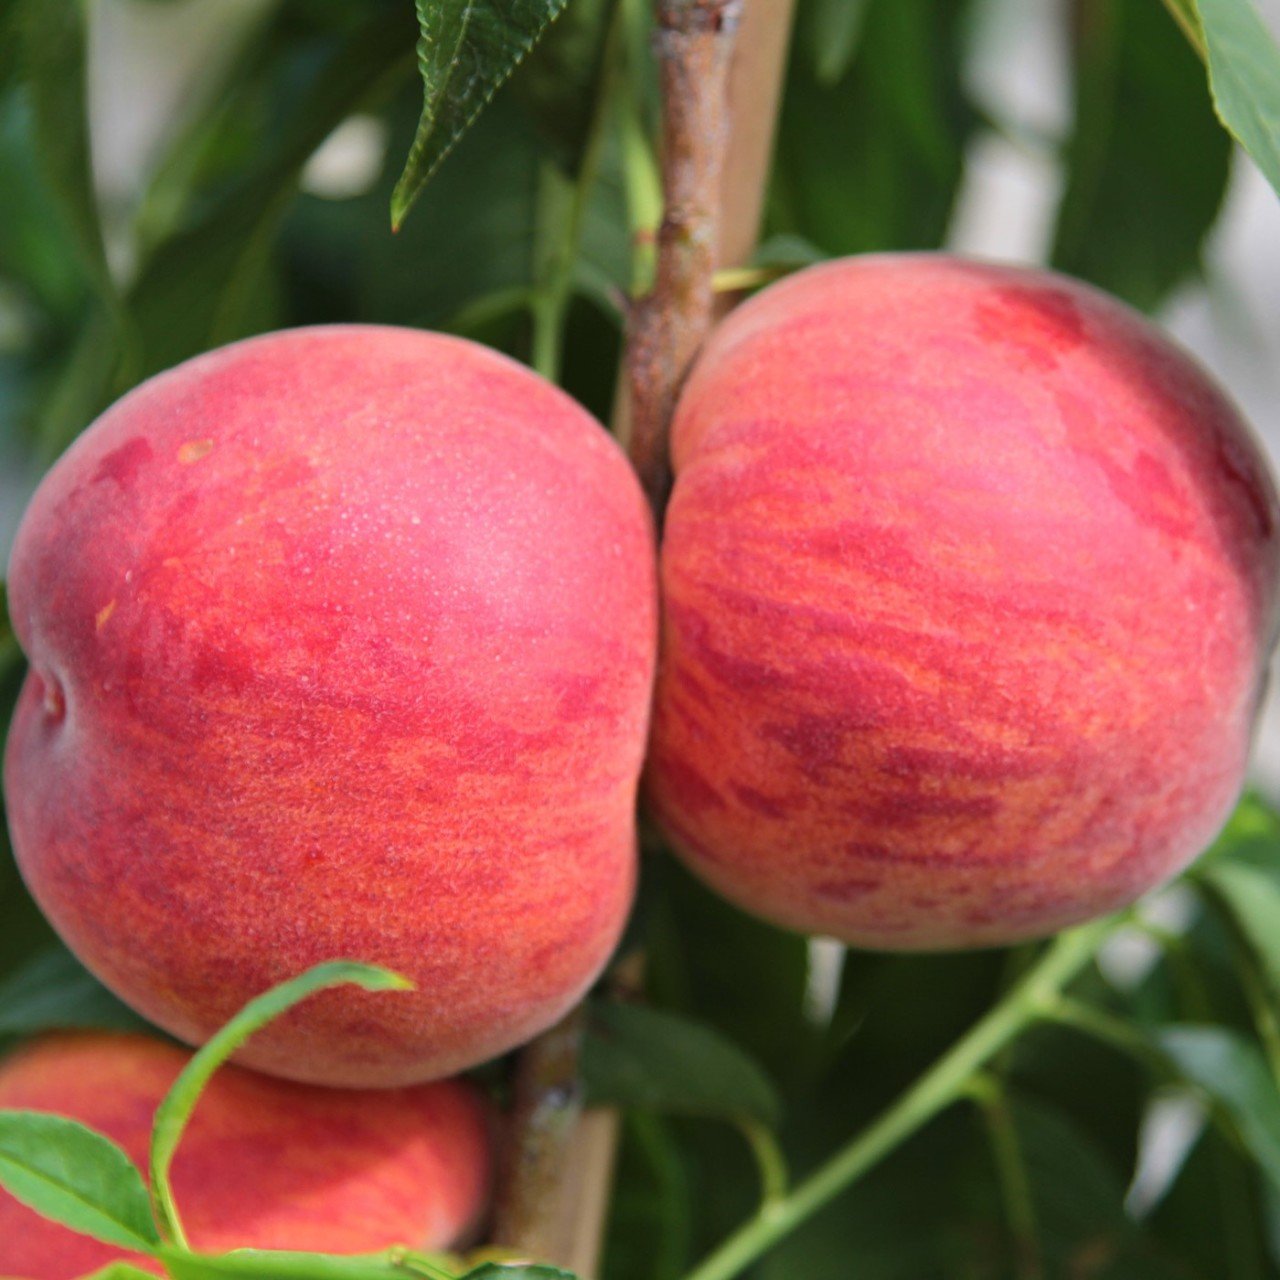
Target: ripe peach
(342,644)
(265,1164)
(969,583)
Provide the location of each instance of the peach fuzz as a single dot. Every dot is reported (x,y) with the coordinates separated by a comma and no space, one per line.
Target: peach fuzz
(969,581)
(264,1164)
(341,646)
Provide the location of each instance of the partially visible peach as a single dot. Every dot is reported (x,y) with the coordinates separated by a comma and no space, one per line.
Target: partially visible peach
(969,584)
(342,643)
(264,1164)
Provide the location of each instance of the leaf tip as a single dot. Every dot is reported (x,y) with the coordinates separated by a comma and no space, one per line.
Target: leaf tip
(401,202)
(379,979)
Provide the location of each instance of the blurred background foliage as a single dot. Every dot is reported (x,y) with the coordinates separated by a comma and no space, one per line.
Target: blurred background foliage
(175,174)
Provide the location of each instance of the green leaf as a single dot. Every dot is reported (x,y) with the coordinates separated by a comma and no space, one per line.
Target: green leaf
(466,49)
(38,253)
(1252,835)
(175,1111)
(1147,164)
(9,41)
(54,991)
(207,285)
(75,1176)
(1078,1191)
(120,1271)
(1184,13)
(652,1209)
(1233,1073)
(658,1061)
(1244,74)
(873,160)
(54,40)
(718,965)
(280,1264)
(10,653)
(521,1271)
(832,33)
(1250,897)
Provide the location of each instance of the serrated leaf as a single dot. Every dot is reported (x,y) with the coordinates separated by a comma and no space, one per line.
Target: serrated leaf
(1251,898)
(175,1110)
(657,1061)
(1233,1073)
(1244,75)
(466,49)
(54,991)
(75,1176)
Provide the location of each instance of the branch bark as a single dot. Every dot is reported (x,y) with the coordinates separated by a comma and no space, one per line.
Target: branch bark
(545,1111)
(694,40)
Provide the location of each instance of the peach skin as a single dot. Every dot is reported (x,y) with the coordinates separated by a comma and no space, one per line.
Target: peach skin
(969,581)
(266,1164)
(341,646)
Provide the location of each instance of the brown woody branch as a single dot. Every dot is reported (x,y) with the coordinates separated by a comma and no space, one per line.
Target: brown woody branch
(546,1107)
(694,41)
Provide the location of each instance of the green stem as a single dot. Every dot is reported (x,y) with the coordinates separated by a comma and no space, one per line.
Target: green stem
(770,1161)
(1108,1029)
(940,1086)
(642,177)
(561,212)
(988,1092)
(556,242)
(256,1264)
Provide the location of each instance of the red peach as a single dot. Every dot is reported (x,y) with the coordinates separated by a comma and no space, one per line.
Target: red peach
(264,1164)
(342,644)
(969,583)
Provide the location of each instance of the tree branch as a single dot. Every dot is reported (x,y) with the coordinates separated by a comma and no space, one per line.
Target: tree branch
(545,1110)
(694,40)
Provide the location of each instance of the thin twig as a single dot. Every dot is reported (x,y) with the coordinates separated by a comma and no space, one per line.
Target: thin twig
(694,41)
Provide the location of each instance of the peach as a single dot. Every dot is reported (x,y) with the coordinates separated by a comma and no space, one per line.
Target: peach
(969,582)
(265,1163)
(341,646)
